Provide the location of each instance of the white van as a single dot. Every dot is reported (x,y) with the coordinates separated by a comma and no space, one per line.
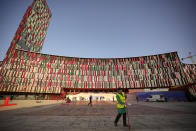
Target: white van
(156,97)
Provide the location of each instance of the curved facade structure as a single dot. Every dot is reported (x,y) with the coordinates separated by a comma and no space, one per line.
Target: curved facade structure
(43,73)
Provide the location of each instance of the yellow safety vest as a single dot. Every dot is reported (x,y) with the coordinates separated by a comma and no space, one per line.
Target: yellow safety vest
(122,98)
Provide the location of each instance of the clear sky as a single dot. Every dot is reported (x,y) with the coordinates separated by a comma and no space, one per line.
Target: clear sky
(109,28)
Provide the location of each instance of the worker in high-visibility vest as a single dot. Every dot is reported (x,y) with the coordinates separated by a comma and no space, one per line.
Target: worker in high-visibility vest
(121,107)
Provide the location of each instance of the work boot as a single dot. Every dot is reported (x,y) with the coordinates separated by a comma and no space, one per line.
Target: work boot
(115,124)
(125,125)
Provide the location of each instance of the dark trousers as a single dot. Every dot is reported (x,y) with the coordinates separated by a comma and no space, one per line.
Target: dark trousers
(118,117)
(90,103)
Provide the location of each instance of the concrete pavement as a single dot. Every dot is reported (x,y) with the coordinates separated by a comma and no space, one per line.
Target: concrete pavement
(170,116)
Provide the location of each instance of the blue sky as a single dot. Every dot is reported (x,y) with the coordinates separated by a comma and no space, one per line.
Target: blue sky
(109,28)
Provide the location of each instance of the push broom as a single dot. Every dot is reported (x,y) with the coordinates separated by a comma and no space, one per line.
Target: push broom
(127,113)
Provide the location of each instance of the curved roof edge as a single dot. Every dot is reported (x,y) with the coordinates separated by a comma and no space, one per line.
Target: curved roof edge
(100,58)
(187,63)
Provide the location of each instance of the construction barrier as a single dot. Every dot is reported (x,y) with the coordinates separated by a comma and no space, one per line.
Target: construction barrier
(7,101)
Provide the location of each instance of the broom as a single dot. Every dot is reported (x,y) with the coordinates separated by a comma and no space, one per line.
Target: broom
(129,126)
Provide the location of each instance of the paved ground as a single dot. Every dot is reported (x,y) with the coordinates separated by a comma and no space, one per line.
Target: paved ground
(27,103)
(170,116)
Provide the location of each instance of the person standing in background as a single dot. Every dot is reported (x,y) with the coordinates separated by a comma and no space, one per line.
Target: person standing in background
(90,100)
